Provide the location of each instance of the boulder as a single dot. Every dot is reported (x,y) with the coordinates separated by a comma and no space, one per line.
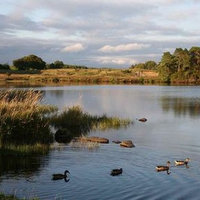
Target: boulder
(63,136)
(127,143)
(98,139)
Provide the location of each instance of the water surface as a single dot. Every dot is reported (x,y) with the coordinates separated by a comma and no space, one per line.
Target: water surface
(171,132)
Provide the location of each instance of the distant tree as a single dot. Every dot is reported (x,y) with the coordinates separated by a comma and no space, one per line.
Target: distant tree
(56,65)
(4,66)
(138,66)
(151,65)
(195,61)
(29,62)
(167,66)
(59,64)
(182,58)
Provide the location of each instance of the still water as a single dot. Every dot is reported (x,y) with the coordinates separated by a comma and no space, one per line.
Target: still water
(171,132)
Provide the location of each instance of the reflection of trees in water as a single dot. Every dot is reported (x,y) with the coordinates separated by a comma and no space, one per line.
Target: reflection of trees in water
(181,106)
(25,166)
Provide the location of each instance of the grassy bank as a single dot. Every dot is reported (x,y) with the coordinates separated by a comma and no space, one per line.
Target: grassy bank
(87,76)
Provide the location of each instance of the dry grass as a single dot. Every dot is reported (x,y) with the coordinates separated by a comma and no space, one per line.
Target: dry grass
(23,119)
(92,75)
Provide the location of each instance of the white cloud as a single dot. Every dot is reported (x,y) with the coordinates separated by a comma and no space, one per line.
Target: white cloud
(123,47)
(116,61)
(130,30)
(74,48)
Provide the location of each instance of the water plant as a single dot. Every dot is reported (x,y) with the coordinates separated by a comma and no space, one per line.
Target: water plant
(26,124)
(24,121)
(75,119)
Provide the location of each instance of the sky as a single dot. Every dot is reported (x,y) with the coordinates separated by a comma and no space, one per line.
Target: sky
(97,33)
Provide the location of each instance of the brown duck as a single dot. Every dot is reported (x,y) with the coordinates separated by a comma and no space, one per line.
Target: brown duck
(160,168)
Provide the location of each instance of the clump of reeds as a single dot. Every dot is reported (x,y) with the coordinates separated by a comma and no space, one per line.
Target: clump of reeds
(104,122)
(23,119)
(26,149)
(74,119)
(80,122)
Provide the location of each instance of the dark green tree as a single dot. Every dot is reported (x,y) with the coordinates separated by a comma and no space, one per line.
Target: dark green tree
(195,62)
(5,66)
(56,65)
(29,62)
(59,64)
(152,65)
(182,58)
(167,66)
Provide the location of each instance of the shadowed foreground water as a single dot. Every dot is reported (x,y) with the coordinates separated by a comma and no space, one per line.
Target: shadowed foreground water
(171,132)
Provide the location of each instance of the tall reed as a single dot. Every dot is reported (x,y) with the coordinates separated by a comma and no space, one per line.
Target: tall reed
(79,122)
(23,119)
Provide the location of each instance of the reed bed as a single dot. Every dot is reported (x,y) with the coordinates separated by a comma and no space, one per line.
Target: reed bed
(24,121)
(75,118)
(26,125)
(23,150)
(105,123)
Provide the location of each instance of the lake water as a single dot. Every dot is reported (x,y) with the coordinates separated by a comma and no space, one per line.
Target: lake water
(172,131)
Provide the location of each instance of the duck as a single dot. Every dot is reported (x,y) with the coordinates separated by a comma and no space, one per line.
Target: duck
(164,168)
(182,162)
(60,176)
(116,172)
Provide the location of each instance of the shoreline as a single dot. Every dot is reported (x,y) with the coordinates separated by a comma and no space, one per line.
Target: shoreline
(84,76)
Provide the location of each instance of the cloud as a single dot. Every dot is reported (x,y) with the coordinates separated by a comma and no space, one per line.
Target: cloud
(73,48)
(130,31)
(116,61)
(123,47)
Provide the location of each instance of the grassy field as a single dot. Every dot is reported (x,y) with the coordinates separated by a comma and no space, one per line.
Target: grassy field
(109,76)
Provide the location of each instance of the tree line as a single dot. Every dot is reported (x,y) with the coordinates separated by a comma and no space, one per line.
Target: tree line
(33,62)
(183,65)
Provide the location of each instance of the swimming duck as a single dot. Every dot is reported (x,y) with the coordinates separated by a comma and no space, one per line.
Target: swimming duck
(60,176)
(116,172)
(182,162)
(164,168)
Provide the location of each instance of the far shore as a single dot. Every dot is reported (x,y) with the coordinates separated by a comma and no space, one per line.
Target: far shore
(75,76)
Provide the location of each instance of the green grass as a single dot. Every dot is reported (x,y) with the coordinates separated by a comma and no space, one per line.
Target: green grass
(75,119)
(24,150)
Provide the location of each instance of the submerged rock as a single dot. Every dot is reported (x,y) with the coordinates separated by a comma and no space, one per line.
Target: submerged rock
(116,141)
(127,143)
(94,139)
